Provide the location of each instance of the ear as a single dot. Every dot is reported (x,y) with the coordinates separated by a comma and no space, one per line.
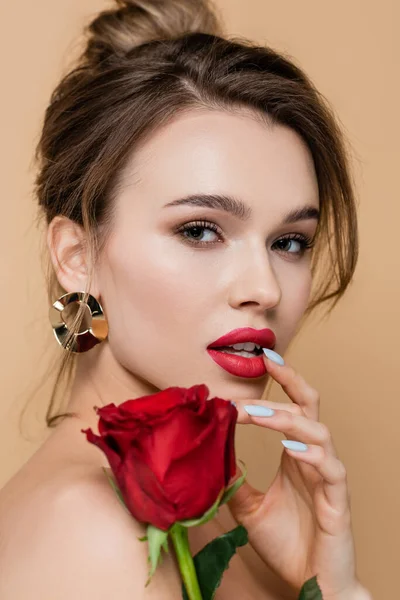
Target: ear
(67,245)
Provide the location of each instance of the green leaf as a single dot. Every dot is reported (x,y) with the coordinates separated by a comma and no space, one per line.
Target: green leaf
(207,515)
(157,540)
(114,486)
(234,487)
(311,590)
(213,560)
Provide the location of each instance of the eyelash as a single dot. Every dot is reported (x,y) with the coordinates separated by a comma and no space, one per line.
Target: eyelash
(306,242)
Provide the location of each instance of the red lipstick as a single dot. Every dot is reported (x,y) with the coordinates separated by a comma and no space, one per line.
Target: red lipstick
(235,364)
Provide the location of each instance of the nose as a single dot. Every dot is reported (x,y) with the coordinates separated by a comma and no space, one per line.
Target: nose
(254,280)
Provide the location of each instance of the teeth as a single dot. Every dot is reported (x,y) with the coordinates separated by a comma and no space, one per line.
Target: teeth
(248,346)
(239,353)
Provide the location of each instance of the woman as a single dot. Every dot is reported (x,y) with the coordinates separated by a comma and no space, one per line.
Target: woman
(191,185)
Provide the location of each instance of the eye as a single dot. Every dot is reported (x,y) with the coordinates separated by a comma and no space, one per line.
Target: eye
(304,241)
(195,231)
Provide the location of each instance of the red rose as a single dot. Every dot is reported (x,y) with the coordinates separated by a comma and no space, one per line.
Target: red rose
(171,452)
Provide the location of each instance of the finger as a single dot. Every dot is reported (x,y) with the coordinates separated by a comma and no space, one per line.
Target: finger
(245,418)
(295,426)
(296,387)
(332,471)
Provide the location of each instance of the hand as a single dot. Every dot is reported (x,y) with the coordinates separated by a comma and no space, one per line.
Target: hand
(301,527)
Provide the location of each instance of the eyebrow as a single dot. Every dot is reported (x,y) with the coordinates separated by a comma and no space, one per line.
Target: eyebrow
(239,209)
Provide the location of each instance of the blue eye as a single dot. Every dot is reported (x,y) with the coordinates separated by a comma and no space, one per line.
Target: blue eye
(305,242)
(196,228)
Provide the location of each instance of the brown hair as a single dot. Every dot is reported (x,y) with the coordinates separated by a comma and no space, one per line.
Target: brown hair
(147,60)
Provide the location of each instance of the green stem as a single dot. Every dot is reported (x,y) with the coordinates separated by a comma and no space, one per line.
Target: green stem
(179,536)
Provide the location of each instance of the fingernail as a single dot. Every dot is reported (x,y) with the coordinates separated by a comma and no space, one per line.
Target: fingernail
(297,446)
(233,403)
(255,410)
(274,356)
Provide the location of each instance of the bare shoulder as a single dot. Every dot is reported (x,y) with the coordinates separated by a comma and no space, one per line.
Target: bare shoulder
(64,534)
(75,540)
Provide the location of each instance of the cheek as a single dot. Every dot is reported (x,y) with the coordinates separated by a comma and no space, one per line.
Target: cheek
(296,288)
(300,290)
(151,291)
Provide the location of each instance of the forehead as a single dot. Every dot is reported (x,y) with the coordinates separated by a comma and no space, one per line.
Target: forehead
(220,152)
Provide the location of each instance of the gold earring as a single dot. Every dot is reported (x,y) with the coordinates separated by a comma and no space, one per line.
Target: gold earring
(84,340)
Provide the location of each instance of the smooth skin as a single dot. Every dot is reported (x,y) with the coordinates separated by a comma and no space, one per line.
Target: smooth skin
(302,525)
(168,291)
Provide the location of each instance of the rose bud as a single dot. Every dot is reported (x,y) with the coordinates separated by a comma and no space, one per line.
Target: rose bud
(172,453)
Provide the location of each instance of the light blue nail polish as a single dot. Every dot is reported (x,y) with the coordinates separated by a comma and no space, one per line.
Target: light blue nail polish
(255,410)
(233,403)
(274,356)
(297,446)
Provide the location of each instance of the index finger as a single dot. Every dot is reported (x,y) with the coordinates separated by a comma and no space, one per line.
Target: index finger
(295,387)
(245,419)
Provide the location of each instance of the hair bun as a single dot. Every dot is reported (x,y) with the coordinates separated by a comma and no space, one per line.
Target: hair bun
(134,22)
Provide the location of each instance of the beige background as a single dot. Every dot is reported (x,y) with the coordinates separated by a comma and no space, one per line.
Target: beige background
(350,49)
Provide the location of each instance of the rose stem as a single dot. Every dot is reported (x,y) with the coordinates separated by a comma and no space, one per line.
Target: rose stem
(179,536)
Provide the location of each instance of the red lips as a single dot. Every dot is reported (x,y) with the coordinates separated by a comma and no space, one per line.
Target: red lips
(263,337)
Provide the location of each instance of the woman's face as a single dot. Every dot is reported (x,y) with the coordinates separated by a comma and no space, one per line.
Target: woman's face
(168,295)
